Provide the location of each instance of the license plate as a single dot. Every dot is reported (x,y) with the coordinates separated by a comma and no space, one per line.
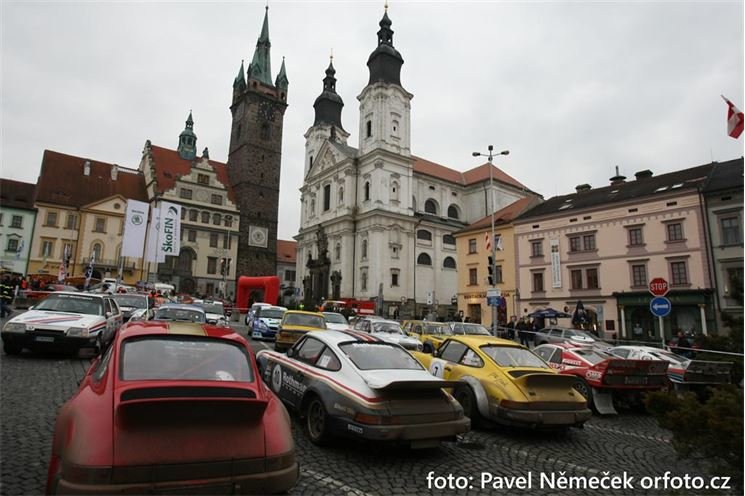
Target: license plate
(635,380)
(44,339)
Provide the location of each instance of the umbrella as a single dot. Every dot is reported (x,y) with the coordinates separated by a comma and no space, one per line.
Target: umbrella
(549,313)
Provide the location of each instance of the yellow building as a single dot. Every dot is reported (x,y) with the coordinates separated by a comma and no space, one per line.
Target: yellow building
(473,263)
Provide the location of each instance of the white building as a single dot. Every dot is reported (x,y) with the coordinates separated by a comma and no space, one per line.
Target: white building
(377,220)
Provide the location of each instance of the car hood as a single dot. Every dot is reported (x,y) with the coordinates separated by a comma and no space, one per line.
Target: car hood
(57,320)
(395,338)
(337,327)
(270,322)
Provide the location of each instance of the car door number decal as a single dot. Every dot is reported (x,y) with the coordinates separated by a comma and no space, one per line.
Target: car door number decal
(437,368)
(277,379)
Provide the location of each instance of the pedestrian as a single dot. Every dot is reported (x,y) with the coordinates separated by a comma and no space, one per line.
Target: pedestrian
(511,328)
(683,346)
(6,297)
(522,332)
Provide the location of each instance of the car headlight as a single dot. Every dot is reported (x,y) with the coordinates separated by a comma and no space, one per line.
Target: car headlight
(14,327)
(77,332)
(419,346)
(262,325)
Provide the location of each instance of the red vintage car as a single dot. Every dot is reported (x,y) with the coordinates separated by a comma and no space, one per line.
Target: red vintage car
(173,407)
(604,377)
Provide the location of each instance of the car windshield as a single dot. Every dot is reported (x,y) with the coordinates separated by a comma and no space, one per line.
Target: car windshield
(512,356)
(180,314)
(213,308)
(303,319)
(593,356)
(389,327)
(437,329)
(379,356)
(335,318)
(131,301)
(184,358)
(271,314)
(81,303)
(470,329)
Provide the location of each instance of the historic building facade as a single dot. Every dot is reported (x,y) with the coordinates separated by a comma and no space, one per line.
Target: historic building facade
(255,157)
(17,219)
(377,221)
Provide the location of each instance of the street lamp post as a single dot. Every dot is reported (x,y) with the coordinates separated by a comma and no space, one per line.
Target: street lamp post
(490,157)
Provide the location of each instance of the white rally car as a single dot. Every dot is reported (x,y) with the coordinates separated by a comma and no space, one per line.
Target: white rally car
(389,331)
(351,384)
(64,321)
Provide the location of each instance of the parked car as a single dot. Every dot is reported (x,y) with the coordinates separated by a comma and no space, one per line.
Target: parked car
(504,382)
(177,409)
(431,334)
(554,335)
(355,385)
(389,331)
(29,297)
(215,312)
(64,321)
(252,312)
(682,372)
(336,321)
(265,323)
(603,377)
(180,312)
(131,303)
(468,329)
(294,324)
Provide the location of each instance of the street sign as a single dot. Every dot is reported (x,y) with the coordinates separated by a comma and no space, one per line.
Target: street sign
(493,292)
(658,286)
(660,306)
(492,301)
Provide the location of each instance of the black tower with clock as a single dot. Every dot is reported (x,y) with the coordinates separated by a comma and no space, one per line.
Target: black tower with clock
(255,158)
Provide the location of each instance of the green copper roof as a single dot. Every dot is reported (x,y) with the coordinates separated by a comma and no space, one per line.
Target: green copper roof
(282,82)
(240,79)
(261,64)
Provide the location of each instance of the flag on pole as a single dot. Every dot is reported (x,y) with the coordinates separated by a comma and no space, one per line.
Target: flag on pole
(498,242)
(62,274)
(169,234)
(135,228)
(89,270)
(152,236)
(488,241)
(735,119)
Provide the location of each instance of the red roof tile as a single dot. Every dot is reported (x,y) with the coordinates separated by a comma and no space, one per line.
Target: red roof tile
(62,181)
(504,215)
(475,175)
(286,251)
(169,166)
(481,173)
(15,194)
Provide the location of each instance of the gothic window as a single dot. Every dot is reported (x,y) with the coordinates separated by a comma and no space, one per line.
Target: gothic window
(367,191)
(364,249)
(424,259)
(369,129)
(448,263)
(423,234)
(453,212)
(430,207)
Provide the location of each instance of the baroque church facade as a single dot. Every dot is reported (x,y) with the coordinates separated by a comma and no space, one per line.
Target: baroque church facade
(377,222)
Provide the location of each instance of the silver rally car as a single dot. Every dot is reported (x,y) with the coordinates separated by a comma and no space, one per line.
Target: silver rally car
(352,384)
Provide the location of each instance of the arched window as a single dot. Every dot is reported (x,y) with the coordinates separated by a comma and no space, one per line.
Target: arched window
(453,212)
(448,239)
(367,190)
(364,249)
(96,251)
(424,259)
(424,234)
(394,190)
(217,219)
(430,206)
(185,258)
(337,252)
(228,221)
(448,263)
(363,278)
(205,217)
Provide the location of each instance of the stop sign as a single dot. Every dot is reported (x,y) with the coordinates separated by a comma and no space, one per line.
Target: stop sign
(658,286)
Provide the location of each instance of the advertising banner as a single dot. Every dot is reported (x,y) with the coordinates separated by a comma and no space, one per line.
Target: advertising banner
(555,264)
(135,228)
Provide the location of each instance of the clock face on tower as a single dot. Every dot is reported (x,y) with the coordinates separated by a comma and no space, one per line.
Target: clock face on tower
(266,111)
(257,236)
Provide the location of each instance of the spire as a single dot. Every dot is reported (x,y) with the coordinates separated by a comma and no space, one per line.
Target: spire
(187,141)
(329,104)
(385,62)
(261,66)
(240,80)
(282,82)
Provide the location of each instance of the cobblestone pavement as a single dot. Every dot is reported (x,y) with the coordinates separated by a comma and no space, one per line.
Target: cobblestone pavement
(34,386)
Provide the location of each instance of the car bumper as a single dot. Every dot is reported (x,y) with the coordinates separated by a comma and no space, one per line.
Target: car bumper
(262,483)
(409,433)
(48,340)
(539,418)
(268,334)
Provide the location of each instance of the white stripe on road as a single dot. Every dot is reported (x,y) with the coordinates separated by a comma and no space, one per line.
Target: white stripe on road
(339,485)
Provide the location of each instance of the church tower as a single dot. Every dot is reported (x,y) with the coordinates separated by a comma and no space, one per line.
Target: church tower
(255,157)
(187,141)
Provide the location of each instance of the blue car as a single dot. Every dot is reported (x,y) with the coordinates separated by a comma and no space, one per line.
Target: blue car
(265,323)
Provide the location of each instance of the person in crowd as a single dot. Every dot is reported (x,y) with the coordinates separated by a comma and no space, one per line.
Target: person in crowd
(511,327)
(6,296)
(522,332)
(683,345)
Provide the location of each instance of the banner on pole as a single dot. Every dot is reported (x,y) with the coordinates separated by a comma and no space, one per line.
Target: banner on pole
(169,235)
(152,236)
(135,228)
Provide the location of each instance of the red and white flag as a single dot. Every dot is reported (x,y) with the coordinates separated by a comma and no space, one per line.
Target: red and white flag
(488,241)
(735,119)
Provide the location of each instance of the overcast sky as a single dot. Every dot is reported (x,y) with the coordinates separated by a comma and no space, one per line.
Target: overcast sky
(571,89)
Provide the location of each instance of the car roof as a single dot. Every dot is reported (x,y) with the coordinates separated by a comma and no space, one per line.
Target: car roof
(181,306)
(386,321)
(303,312)
(339,337)
(80,293)
(476,341)
(157,328)
(273,307)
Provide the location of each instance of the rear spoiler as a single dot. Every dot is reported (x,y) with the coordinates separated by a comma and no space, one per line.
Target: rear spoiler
(622,366)
(410,385)
(545,379)
(707,372)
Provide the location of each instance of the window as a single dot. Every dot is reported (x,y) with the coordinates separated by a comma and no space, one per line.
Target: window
(46,248)
(185,193)
(592,278)
(205,217)
(363,279)
(12,245)
(192,236)
(448,263)
(212,265)
(472,246)
(730,230)
(635,236)
(216,219)
(16,221)
(588,242)
(369,128)
(639,275)
(537,282)
(310,350)
(228,221)
(367,191)
(364,249)
(289,275)
(66,251)
(430,207)
(326,197)
(100,225)
(448,239)
(193,215)
(424,235)
(453,212)
(216,199)
(576,278)
(337,252)
(473,277)
(679,273)
(574,245)
(498,274)
(183,214)
(96,251)
(226,241)
(203,179)
(536,248)
(424,259)
(453,351)
(51,219)
(675,232)
(394,277)
(72,221)
(394,191)
(213,240)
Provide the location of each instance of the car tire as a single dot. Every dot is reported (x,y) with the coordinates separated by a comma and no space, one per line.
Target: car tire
(585,390)
(464,395)
(316,421)
(12,348)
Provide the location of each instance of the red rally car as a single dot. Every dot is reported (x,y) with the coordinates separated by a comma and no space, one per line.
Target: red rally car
(173,407)
(604,376)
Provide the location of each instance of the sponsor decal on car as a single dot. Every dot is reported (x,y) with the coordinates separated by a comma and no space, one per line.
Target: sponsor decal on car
(355,428)
(277,379)
(593,374)
(292,384)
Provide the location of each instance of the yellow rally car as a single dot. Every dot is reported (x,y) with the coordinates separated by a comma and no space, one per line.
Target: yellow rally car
(294,324)
(506,383)
(431,334)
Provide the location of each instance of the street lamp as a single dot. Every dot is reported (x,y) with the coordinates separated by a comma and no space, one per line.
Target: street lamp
(490,157)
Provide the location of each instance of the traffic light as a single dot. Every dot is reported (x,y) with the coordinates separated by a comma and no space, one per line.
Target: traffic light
(491,271)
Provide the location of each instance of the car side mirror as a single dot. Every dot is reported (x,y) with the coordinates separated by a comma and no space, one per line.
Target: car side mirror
(109,314)
(291,352)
